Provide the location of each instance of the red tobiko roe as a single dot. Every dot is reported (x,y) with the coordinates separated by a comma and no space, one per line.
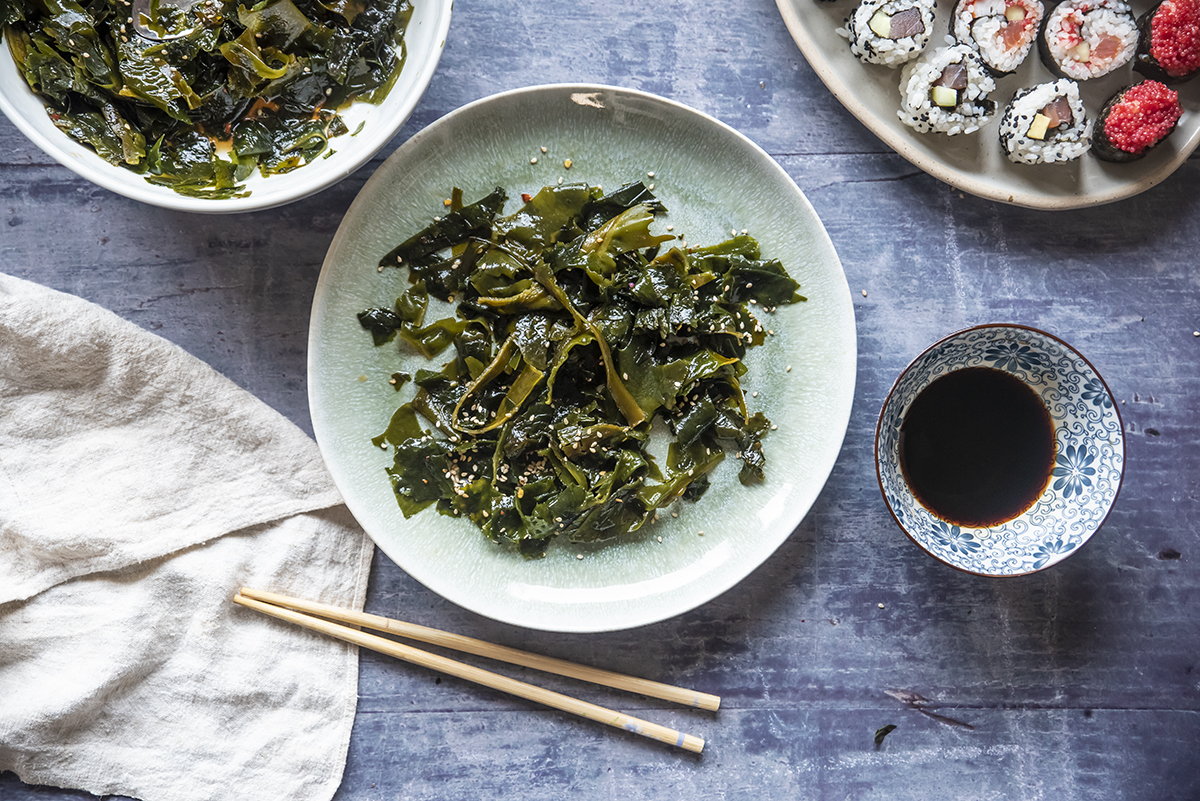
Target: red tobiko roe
(1175,37)
(1145,114)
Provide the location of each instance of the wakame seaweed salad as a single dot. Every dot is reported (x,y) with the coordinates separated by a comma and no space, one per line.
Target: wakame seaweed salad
(248,87)
(575,329)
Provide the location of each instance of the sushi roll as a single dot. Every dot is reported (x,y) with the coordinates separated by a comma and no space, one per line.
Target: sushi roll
(889,32)
(1046,124)
(946,90)
(1003,31)
(1169,41)
(1135,121)
(1083,39)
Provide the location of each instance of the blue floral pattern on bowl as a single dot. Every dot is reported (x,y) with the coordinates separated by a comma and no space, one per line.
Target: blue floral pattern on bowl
(1089,460)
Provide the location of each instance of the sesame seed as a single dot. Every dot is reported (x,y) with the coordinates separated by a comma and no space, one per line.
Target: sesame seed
(567,163)
(649,175)
(578,556)
(533,160)
(754,393)
(788,368)
(670,228)
(864,293)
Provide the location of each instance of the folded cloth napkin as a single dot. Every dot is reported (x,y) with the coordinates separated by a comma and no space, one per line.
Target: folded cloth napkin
(139,490)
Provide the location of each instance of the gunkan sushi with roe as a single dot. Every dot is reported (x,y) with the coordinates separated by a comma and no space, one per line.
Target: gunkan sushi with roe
(1135,121)
(1169,41)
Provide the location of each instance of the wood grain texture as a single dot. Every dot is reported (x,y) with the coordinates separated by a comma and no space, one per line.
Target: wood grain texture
(1079,683)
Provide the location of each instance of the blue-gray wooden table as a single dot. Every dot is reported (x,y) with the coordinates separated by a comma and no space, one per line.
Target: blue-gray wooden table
(1080,682)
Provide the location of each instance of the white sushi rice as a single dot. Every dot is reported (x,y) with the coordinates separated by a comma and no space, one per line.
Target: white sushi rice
(982,23)
(1089,21)
(917,108)
(872,48)
(1063,143)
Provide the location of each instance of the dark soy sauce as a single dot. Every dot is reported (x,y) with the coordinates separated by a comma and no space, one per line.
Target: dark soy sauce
(977,447)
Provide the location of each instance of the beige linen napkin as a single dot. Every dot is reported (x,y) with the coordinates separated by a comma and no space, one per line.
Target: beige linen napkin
(138,490)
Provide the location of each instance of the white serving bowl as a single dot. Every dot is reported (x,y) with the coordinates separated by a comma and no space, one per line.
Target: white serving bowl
(425,39)
(1089,453)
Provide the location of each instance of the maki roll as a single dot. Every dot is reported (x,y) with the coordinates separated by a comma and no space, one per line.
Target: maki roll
(1046,124)
(889,32)
(1169,41)
(1085,39)
(946,90)
(1003,31)
(1135,121)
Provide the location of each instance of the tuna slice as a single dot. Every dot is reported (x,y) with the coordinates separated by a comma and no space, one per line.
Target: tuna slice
(1013,33)
(1106,49)
(906,23)
(1058,112)
(954,76)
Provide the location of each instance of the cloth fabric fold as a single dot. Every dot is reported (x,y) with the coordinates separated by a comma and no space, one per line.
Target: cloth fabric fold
(138,490)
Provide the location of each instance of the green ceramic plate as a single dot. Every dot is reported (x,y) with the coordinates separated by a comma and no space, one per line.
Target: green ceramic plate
(712,180)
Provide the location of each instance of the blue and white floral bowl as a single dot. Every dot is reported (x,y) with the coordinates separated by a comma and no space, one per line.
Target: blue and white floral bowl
(1089,460)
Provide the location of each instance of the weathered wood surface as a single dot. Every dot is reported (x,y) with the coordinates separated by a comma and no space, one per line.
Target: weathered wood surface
(1082,682)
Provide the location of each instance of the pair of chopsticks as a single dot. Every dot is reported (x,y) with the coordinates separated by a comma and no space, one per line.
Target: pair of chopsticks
(320,617)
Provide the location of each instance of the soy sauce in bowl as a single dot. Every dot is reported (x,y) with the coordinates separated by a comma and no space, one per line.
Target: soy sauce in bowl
(977,447)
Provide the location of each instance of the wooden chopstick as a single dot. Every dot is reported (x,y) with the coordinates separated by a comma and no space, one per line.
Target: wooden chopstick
(502,653)
(495,681)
